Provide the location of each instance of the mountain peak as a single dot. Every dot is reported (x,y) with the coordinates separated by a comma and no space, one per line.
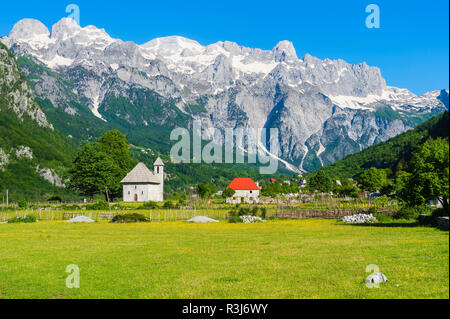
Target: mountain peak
(284,51)
(172,45)
(27,29)
(65,28)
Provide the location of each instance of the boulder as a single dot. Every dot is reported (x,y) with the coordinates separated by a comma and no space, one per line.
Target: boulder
(202,219)
(80,219)
(376,278)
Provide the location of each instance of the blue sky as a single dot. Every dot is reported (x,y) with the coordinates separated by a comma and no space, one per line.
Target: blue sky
(411,46)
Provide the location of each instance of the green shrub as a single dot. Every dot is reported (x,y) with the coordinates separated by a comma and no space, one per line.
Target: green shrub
(25,219)
(440,212)
(55,199)
(235,219)
(382,217)
(130,218)
(427,220)
(411,212)
(239,211)
(99,204)
(263,212)
(243,211)
(22,203)
(169,204)
(228,192)
(70,207)
(254,211)
(149,205)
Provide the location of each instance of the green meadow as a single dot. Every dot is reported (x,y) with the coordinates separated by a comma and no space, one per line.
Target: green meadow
(309,258)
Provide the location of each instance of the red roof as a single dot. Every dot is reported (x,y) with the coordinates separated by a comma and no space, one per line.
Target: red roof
(243,184)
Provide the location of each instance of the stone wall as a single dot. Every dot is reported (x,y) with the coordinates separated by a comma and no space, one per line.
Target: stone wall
(332,213)
(443,222)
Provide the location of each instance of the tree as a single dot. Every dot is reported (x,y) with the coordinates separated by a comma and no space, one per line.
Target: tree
(271,189)
(347,189)
(321,181)
(427,175)
(206,190)
(114,143)
(99,167)
(22,203)
(93,172)
(373,179)
(228,192)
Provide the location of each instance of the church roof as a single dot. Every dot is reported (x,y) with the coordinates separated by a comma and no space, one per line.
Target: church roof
(141,174)
(158,162)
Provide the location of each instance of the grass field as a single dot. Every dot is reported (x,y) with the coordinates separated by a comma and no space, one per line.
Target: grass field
(310,258)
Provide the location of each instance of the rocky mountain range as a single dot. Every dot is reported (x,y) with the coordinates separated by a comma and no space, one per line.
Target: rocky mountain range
(84,80)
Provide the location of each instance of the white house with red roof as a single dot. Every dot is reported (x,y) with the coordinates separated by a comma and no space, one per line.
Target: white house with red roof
(246,191)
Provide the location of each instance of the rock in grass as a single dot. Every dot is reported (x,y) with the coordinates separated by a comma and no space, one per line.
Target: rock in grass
(80,219)
(376,278)
(202,219)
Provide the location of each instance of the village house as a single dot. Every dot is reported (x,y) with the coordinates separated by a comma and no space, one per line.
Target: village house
(246,191)
(143,185)
(302,183)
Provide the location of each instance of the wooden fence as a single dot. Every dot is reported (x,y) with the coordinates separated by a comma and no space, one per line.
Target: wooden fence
(153,215)
(185,213)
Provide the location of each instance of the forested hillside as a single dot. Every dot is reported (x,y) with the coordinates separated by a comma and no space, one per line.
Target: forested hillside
(393,153)
(33,156)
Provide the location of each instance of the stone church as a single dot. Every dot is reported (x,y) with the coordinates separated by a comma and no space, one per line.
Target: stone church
(143,185)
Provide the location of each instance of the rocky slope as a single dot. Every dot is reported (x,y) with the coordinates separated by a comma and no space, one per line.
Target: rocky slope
(33,156)
(324,109)
(15,92)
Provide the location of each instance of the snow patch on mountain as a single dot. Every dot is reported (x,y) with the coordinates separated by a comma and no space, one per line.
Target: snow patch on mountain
(58,60)
(397,98)
(252,67)
(95,106)
(288,165)
(354,102)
